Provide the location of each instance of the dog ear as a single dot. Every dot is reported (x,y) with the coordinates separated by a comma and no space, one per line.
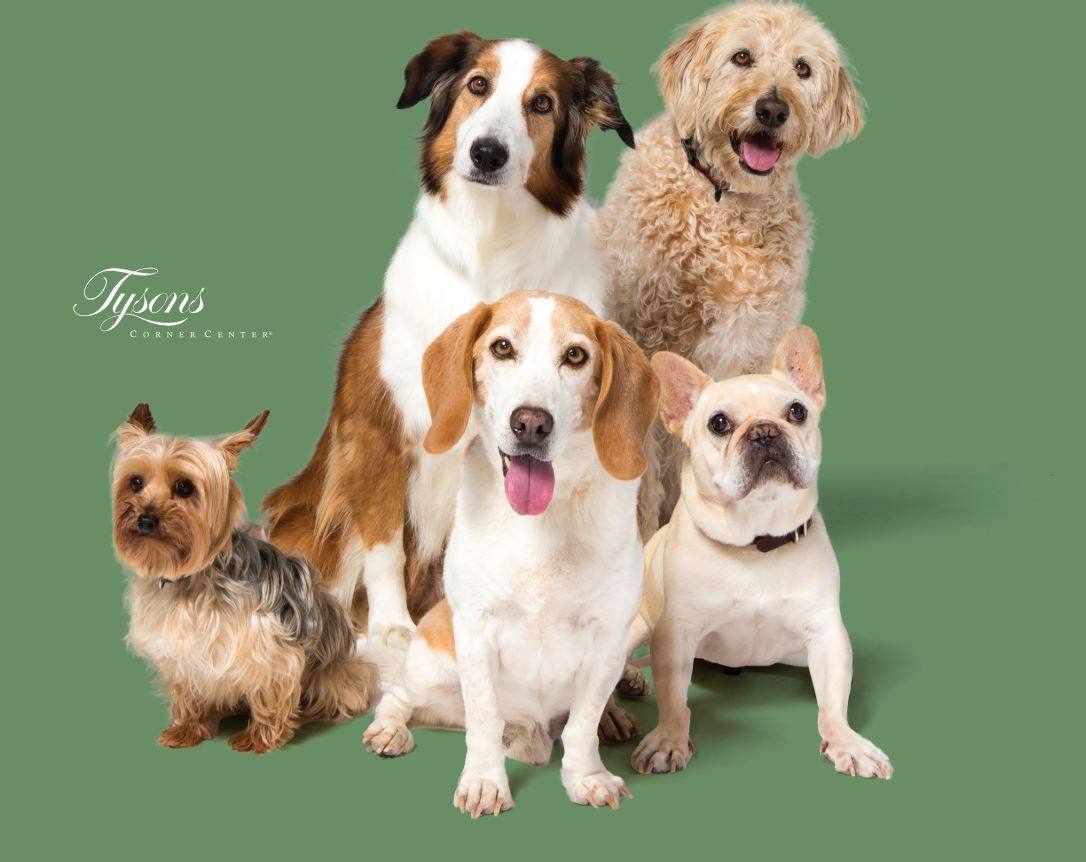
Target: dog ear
(838,114)
(441,59)
(233,445)
(601,107)
(681,384)
(626,405)
(140,424)
(799,357)
(448,377)
(675,70)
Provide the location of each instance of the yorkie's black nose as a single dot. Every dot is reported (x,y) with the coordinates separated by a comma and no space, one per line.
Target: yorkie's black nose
(771,111)
(147,524)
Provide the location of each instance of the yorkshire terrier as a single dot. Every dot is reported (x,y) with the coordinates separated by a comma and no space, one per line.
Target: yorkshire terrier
(230,623)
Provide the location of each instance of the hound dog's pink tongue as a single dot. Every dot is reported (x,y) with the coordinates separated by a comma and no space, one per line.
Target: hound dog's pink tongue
(759,154)
(529,484)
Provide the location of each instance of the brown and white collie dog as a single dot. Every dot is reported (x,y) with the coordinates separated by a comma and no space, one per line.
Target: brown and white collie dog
(501,210)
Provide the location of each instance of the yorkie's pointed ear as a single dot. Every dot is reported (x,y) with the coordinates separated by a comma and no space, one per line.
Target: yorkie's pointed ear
(233,445)
(140,424)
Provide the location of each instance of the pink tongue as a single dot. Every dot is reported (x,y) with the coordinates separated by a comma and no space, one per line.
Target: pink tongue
(529,485)
(759,156)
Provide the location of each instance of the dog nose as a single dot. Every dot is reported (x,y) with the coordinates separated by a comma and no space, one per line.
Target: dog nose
(771,111)
(763,433)
(147,524)
(488,154)
(531,425)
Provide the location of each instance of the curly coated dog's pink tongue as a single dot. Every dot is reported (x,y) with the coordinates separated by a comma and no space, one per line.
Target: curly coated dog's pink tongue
(529,484)
(760,155)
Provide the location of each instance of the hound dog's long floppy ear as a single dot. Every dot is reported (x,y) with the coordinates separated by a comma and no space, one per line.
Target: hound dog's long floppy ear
(140,424)
(601,107)
(626,405)
(448,378)
(439,61)
(233,445)
(799,356)
(681,384)
(838,111)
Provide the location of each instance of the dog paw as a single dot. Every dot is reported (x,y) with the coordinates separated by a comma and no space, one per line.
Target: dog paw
(617,725)
(662,751)
(396,636)
(851,754)
(184,735)
(253,741)
(388,738)
(477,796)
(633,683)
(596,789)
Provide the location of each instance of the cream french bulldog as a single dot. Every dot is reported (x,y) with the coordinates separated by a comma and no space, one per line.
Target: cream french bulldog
(744,573)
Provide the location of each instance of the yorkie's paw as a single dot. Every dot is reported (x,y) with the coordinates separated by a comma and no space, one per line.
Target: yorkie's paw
(596,789)
(617,725)
(185,735)
(851,754)
(254,741)
(662,751)
(388,738)
(478,796)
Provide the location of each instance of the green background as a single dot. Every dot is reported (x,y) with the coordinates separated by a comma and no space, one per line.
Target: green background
(255,152)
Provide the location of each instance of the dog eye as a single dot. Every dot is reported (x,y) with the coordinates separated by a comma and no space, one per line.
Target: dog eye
(742,58)
(502,349)
(136,483)
(720,424)
(542,104)
(797,413)
(576,356)
(183,488)
(477,85)
(802,69)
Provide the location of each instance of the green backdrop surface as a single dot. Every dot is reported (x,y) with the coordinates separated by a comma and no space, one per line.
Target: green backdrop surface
(253,151)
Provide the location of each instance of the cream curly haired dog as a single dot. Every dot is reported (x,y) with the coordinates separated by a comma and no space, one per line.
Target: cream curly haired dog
(704,231)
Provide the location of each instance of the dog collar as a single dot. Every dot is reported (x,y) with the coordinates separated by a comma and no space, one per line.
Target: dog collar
(765,544)
(719,186)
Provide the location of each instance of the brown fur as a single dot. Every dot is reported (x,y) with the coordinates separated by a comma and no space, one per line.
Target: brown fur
(436,629)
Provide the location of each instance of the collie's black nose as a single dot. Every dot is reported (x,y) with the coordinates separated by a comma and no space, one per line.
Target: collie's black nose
(771,112)
(531,425)
(147,524)
(489,154)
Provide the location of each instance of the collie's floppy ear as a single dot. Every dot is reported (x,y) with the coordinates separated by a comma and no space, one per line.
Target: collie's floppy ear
(601,107)
(140,424)
(838,113)
(681,384)
(800,357)
(442,58)
(233,445)
(626,405)
(448,377)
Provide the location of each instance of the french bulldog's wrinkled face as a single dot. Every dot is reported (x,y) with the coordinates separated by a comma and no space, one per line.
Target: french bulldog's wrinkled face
(751,432)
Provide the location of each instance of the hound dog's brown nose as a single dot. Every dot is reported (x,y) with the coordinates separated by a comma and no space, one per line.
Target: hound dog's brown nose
(771,111)
(531,425)
(764,433)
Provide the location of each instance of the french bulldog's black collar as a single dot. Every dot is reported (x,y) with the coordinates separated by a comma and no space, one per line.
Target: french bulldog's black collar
(765,544)
(719,186)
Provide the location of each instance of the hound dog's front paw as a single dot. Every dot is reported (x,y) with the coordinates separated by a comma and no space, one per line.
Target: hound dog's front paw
(617,725)
(478,795)
(851,754)
(596,789)
(388,738)
(663,751)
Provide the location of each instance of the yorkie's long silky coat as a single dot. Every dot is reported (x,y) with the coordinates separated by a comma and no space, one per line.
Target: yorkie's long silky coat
(230,623)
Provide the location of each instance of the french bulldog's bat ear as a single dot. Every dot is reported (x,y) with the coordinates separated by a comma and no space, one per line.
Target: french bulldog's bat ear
(681,384)
(140,424)
(800,357)
(448,378)
(235,444)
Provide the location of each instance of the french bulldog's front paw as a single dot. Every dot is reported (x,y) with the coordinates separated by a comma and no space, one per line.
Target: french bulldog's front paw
(851,754)
(388,738)
(617,725)
(478,795)
(596,789)
(662,751)
(394,636)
